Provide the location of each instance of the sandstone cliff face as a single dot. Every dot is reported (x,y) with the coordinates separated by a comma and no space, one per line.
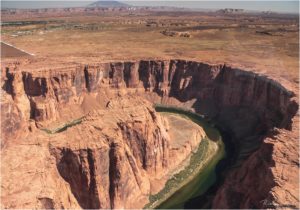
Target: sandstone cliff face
(247,105)
(114,158)
(220,86)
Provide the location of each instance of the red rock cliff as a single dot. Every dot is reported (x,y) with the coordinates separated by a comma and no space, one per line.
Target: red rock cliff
(247,105)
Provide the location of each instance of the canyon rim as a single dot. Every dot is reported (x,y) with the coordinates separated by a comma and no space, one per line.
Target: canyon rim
(81,126)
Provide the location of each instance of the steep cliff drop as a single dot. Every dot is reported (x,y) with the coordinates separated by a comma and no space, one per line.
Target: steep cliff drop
(87,136)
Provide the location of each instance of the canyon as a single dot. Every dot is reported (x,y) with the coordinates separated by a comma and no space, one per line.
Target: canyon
(119,151)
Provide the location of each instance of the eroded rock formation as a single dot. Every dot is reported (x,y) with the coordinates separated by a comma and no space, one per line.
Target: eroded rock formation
(257,111)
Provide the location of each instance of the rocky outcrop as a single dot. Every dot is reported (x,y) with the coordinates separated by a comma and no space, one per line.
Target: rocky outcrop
(216,88)
(115,158)
(247,105)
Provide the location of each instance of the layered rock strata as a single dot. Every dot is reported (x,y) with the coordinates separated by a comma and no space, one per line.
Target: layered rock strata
(115,158)
(257,111)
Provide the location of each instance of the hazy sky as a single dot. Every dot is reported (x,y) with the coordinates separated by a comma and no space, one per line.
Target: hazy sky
(277,6)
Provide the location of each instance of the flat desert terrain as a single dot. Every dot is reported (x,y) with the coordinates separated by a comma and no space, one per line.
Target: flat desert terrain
(254,41)
(89,97)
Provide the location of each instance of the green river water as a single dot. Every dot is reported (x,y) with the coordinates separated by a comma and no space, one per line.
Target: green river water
(200,181)
(201,177)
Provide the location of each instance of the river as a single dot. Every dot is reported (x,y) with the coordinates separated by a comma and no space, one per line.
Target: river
(205,176)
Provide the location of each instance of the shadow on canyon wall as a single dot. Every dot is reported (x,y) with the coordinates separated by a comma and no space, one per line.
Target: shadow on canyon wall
(245,106)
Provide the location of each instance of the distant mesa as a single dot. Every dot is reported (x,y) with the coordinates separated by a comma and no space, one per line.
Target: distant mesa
(108,4)
(269,12)
(230,11)
(176,33)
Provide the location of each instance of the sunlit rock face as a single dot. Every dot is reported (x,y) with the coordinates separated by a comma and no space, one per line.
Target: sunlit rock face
(120,153)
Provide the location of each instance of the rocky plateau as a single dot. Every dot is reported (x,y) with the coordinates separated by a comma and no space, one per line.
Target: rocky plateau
(121,151)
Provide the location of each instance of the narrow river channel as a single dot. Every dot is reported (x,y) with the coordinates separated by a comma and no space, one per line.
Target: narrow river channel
(205,176)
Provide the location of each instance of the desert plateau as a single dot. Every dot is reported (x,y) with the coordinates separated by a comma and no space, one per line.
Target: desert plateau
(116,106)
